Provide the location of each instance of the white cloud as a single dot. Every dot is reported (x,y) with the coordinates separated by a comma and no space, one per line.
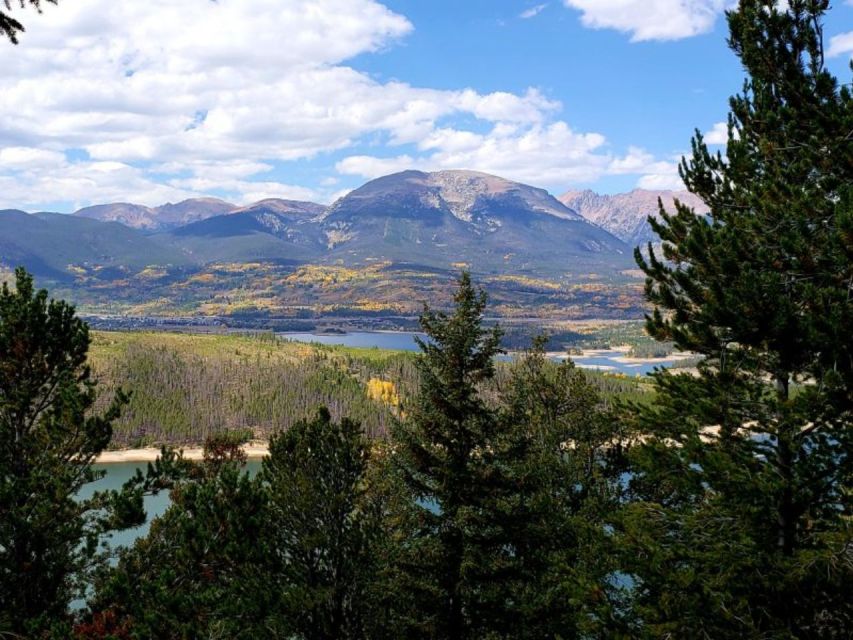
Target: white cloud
(173,100)
(372,167)
(506,107)
(252,191)
(719,134)
(82,183)
(651,19)
(654,174)
(840,45)
(199,87)
(661,182)
(541,154)
(21,158)
(638,161)
(532,12)
(35,178)
(551,155)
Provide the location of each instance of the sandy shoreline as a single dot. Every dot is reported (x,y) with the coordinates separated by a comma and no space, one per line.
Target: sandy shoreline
(254,450)
(623,359)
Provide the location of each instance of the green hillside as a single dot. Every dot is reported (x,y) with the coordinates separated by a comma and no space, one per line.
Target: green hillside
(186,387)
(60,246)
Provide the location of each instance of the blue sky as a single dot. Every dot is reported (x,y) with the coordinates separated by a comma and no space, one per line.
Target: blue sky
(147,102)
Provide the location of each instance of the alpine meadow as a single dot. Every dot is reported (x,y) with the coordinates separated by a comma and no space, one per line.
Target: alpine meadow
(297,341)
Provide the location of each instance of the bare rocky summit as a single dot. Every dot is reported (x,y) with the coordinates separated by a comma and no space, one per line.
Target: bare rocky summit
(625,215)
(167,216)
(450,217)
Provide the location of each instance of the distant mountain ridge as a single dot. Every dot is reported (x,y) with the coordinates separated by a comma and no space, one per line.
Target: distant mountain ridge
(53,244)
(437,221)
(270,229)
(279,205)
(167,216)
(625,215)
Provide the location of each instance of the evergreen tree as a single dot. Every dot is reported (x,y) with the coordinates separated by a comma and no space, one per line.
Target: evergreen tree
(742,526)
(49,438)
(323,529)
(568,483)
(203,569)
(459,559)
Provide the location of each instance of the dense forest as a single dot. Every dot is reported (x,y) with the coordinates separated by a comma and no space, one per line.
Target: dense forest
(184,388)
(447,496)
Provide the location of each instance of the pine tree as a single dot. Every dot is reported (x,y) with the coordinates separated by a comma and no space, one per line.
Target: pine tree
(49,438)
(203,570)
(459,555)
(743,522)
(323,529)
(567,484)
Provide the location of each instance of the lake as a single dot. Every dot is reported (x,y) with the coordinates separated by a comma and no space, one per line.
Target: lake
(611,360)
(601,360)
(394,340)
(120,472)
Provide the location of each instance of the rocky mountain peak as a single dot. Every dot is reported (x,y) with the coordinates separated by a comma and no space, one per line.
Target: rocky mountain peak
(464,194)
(625,215)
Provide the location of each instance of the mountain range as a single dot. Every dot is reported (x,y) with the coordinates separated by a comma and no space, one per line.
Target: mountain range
(387,245)
(438,220)
(167,216)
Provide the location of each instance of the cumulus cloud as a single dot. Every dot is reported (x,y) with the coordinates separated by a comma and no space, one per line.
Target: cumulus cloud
(654,174)
(158,100)
(840,45)
(719,134)
(373,167)
(651,19)
(196,88)
(36,180)
(22,158)
(661,182)
(552,155)
(81,183)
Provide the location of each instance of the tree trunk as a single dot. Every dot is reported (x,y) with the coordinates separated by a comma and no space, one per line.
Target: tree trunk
(786,517)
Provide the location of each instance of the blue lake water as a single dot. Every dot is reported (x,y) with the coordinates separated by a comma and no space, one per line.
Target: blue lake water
(602,360)
(609,360)
(120,472)
(396,340)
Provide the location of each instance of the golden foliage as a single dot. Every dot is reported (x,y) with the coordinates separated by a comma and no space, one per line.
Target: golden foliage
(152,272)
(525,281)
(383,391)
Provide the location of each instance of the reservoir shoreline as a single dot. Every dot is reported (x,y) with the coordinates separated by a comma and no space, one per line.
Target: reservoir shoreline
(255,450)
